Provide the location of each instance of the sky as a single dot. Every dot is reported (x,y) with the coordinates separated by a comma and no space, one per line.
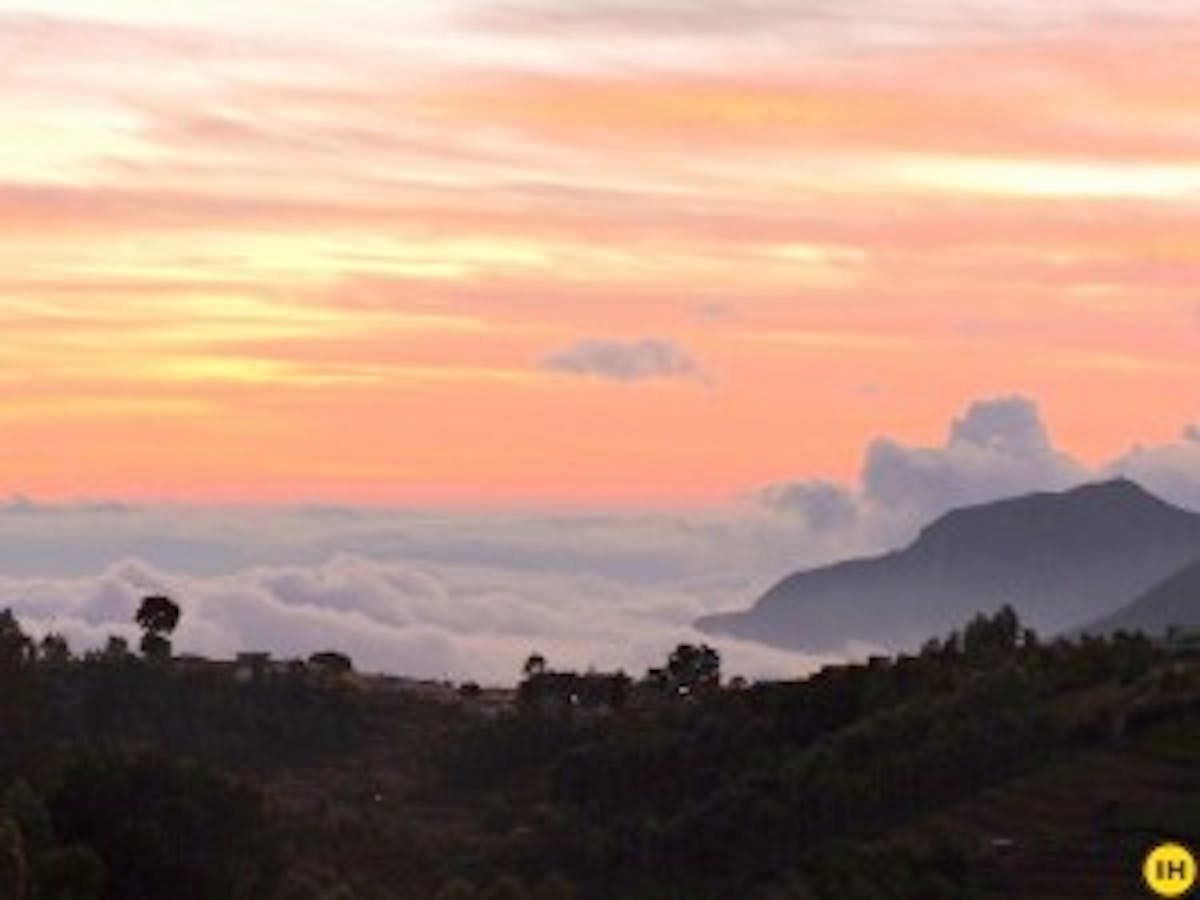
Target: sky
(607,253)
(445,331)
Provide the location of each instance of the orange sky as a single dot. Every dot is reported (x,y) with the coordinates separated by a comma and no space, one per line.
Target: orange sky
(333,253)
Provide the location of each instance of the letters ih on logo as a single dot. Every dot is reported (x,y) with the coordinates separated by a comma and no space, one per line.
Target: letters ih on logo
(1170,870)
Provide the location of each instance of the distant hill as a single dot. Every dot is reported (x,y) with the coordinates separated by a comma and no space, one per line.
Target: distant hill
(1060,559)
(1174,601)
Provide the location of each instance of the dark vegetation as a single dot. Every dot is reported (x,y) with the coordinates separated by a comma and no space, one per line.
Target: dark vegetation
(949,773)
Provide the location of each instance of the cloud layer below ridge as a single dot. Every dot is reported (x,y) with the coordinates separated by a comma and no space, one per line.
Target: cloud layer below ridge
(468,595)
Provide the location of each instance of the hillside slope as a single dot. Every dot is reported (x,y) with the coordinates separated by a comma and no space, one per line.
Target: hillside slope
(1060,559)
(1174,601)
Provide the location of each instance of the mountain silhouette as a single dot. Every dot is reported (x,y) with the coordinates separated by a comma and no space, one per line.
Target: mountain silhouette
(1173,601)
(1060,559)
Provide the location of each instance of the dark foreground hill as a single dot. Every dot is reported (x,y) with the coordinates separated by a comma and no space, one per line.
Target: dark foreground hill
(988,766)
(1060,559)
(1173,602)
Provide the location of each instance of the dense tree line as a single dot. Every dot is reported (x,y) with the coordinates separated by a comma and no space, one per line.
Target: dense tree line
(718,793)
(124,776)
(139,775)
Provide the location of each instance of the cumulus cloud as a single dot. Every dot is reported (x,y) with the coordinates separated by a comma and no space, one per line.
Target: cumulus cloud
(1009,424)
(996,448)
(618,360)
(1171,470)
(822,505)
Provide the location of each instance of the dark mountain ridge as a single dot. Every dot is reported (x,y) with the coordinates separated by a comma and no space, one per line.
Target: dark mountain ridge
(1060,559)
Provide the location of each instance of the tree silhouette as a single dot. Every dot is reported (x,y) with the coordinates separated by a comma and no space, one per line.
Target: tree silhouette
(988,636)
(157,616)
(116,647)
(54,650)
(691,668)
(16,648)
(535,665)
(14,868)
(332,662)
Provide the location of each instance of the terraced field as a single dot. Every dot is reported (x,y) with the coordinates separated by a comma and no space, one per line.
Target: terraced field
(1080,827)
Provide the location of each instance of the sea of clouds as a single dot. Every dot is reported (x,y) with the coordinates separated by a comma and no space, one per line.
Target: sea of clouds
(470,595)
